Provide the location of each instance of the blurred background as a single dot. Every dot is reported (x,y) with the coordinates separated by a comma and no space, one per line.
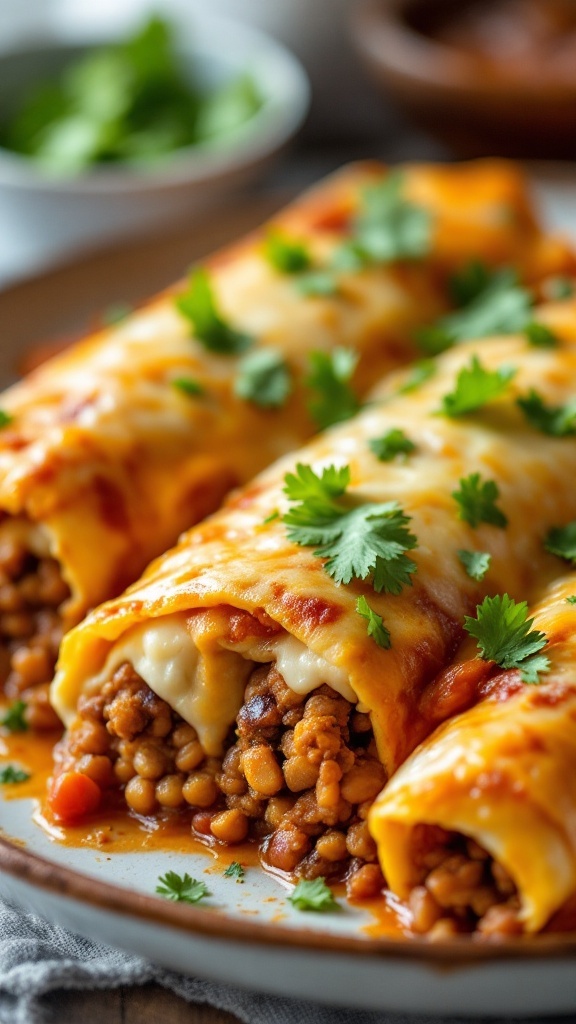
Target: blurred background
(136,160)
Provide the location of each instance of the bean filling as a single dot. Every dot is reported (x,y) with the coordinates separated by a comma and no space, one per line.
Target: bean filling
(299,774)
(31,594)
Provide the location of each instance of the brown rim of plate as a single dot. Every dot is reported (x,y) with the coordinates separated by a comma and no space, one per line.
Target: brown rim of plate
(62,881)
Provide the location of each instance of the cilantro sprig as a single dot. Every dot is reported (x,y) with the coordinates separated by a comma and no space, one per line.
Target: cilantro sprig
(198,305)
(571,599)
(476,499)
(181,888)
(285,254)
(554,420)
(235,870)
(334,399)
(504,634)
(561,541)
(357,539)
(188,386)
(264,378)
(394,442)
(422,371)
(476,563)
(5,418)
(388,227)
(491,303)
(10,774)
(539,335)
(375,628)
(14,718)
(314,895)
(475,387)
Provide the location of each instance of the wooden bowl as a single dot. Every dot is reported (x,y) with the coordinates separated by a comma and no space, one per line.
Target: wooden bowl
(478,106)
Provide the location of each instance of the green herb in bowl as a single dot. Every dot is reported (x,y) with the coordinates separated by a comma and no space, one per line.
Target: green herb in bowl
(128,102)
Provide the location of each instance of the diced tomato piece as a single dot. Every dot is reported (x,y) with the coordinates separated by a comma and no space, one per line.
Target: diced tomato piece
(72,795)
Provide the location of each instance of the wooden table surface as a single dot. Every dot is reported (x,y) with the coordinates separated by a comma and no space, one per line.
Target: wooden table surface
(144,1004)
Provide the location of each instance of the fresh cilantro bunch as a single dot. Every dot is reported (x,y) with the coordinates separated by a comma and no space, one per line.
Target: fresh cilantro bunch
(329,379)
(475,387)
(198,305)
(181,888)
(357,539)
(554,420)
(505,635)
(491,302)
(129,102)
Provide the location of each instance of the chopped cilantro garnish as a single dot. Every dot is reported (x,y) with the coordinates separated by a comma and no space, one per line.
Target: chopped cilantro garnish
(558,288)
(561,541)
(10,774)
(288,255)
(358,540)
(505,635)
(475,387)
(263,378)
(555,420)
(375,627)
(188,386)
(476,499)
(198,305)
(317,282)
(389,227)
(419,374)
(330,376)
(315,895)
(501,307)
(539,335)
(571,599)
(5,418)
(181,889)
(14,719)
(476,563)
(235,870)
(394,442)
(273,515)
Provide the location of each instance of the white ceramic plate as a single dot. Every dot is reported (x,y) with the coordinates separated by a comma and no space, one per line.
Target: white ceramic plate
(248,934)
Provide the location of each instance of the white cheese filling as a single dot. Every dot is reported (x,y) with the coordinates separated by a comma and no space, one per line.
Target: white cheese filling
(165,656)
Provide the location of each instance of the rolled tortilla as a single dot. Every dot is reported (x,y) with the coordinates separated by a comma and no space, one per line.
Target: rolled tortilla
(104,462)
(502,774)
(237,626)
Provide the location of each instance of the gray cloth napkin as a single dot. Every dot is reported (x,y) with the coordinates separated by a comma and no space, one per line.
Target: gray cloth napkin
(37,960)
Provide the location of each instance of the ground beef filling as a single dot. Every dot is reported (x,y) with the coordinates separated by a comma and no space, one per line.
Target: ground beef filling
(463,889)
(31,593)
(299,775)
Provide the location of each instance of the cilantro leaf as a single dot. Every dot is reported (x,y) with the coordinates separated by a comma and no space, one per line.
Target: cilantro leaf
(561,541)
(419,374)
(10,774)
(388,227)
(198,305)
(394,442)
(315,895)
(288,255)
(501,307)
(5,418)
(476,563)
(188,386)
(235,870)
(554,420)
(469,282)
(263,378)
(356,539)
(14,720)
(273,515)
(571,599)
(476,499)
(181,889)
(475,387)
(532,668)
(376,627)
(330,376)
(558,288)
(317,282)
(505,635)
(540,336)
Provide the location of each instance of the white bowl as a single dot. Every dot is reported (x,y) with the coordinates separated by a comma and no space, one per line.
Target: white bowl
(43,217)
